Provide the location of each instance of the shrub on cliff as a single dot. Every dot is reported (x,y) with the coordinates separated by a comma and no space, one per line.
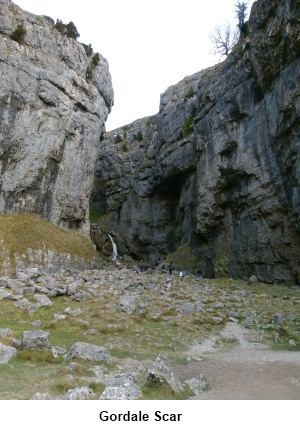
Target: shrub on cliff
(88,49)
(19,34)
(69,30)
(187,126)
(72,31)
(96,59)
(138,136)
(94,63)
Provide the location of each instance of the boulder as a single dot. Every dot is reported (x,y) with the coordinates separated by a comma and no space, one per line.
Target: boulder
(35,340)
(74,312)
(253,279)
(80,393)
(127,303)
(121,387)
(162,372)
(43,300)
(58,351)
(87,351)
(6,333)
(198,384)
(7,353)
(26,305)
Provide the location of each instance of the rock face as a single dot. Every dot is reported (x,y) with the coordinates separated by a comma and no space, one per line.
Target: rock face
(218,168)
(54,100)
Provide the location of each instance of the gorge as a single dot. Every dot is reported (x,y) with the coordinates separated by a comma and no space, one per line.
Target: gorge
(92,223)
(216,171)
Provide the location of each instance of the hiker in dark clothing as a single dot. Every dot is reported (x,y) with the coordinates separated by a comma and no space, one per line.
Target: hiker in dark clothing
(171,268)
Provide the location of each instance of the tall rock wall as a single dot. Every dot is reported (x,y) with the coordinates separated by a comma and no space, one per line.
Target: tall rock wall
(54,100)
(218,167)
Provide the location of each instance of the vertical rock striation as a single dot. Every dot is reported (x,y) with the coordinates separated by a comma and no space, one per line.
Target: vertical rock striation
(54,100)
(218,168)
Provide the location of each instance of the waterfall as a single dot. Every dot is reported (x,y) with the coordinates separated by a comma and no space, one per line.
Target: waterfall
(114,247)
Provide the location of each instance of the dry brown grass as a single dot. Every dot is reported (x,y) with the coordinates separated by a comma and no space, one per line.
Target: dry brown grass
(20,232)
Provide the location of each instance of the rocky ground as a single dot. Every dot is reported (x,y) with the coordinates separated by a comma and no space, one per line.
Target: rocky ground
(118,333)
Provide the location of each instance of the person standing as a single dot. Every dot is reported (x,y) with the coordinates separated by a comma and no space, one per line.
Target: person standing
(171,268)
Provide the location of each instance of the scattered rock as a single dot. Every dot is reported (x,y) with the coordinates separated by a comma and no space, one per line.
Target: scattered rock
(28,291)
(58,290)
(99,371)
(26,305)
(155,314)
(42,396)
(5,294)
(35,340)
(58,351)
(187,308)
(74,287)
(214,320)
(80,393)
(279,318)
(81,295)
(71,367)
(198,384)
(37,323)
(127,304)
(3,282)
(163,372)
(16,286)
(59,317)
(89,351)
(121,387)
(253,279)
(72,311)
(6,333)
(43,300)
(6,353)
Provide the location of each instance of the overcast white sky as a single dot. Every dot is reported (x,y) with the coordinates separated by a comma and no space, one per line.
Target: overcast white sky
(149,44)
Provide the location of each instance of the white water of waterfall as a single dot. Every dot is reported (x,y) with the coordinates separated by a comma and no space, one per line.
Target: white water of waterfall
(114,247)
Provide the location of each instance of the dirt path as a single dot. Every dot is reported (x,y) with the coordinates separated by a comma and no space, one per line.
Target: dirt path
(249,371)
(251,375)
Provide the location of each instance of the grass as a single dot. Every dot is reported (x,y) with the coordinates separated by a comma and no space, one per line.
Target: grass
(19,34)
(38,356)
(187,126)
(164,392)
(95,215)
(20,232)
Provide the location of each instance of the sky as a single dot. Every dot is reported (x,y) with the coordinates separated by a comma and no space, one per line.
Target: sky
(149,44)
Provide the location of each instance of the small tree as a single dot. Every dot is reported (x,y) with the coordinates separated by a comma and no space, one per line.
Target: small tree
(69,30)
(241,13)
(19,34)
(96,59)
(72,31)
(224,39)
(61,27)
(88,49)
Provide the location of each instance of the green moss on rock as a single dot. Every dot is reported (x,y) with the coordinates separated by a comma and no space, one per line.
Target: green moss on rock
(221,266)
(184,259)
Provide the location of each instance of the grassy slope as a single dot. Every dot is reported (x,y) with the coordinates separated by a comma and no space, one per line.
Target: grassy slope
(19,232)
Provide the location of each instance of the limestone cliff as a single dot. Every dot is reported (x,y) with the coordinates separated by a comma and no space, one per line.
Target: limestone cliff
(54,100)
(218,168)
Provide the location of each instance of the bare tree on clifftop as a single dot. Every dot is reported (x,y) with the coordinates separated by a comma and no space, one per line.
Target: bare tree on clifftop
(223,39)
